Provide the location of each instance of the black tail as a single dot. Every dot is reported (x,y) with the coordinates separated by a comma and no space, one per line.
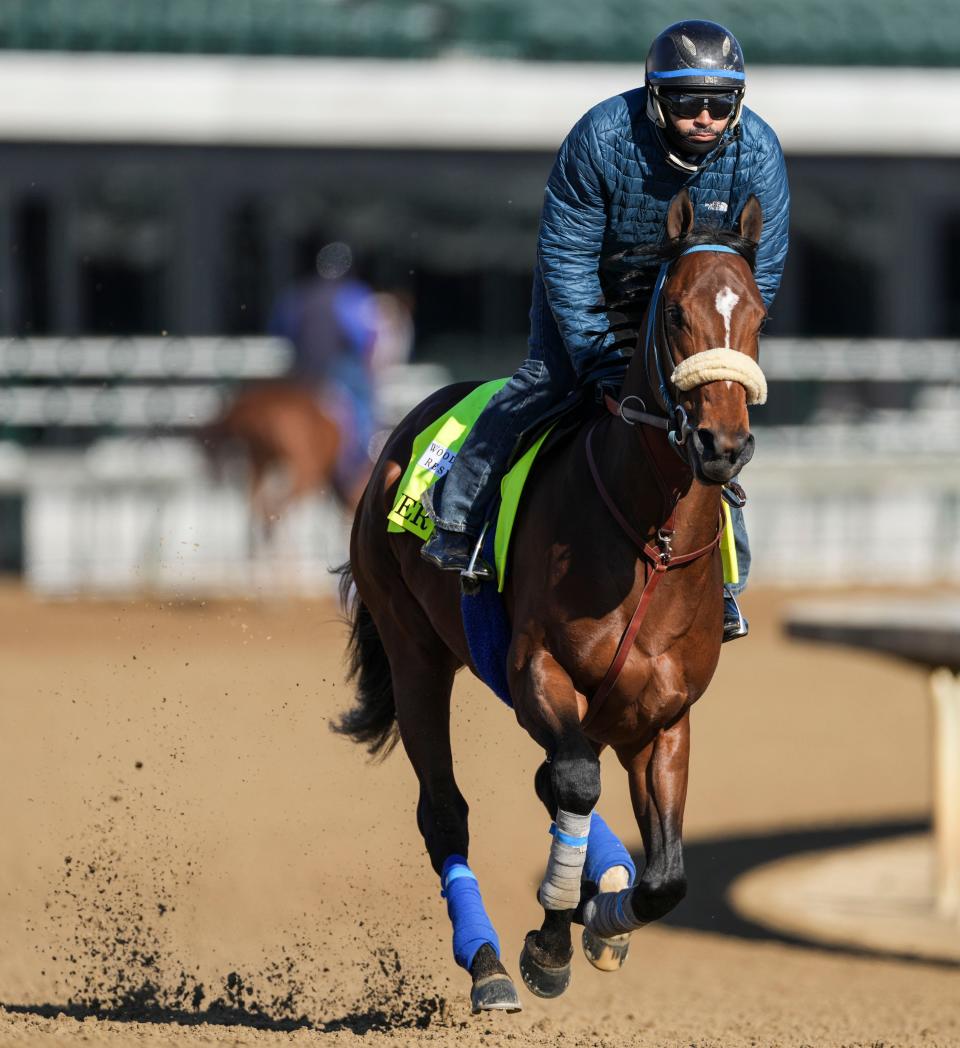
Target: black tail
(373,720)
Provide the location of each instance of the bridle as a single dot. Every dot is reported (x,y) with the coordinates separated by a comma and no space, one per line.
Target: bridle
(708,365)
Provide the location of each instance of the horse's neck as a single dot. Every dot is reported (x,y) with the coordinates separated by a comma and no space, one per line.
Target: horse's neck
(641,379)
(636,479)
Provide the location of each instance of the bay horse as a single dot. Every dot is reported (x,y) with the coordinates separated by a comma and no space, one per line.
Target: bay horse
(630,495)
(292,444)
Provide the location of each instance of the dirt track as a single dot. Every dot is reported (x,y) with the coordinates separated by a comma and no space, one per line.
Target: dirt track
(184,842)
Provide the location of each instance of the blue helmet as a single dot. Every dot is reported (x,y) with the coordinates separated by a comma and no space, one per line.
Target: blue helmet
(698,55)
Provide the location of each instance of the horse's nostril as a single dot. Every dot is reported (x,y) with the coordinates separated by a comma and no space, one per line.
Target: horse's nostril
(734,448)
(745,452)
(708,445)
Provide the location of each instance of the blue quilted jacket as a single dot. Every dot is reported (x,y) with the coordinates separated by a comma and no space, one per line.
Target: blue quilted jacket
(609,190)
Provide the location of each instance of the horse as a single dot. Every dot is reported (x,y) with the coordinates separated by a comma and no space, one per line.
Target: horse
(284,428)
(615,610)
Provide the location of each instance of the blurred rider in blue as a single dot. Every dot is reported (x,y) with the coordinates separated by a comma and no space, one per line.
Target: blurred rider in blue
(609,190)
(331,319)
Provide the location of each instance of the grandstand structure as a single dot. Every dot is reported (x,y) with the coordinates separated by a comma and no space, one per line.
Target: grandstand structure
(169,168)
(845,33)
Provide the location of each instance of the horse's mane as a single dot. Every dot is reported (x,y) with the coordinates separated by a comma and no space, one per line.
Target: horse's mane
(632,273)
(654,255)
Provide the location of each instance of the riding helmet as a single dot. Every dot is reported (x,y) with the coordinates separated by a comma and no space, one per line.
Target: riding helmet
(694,54)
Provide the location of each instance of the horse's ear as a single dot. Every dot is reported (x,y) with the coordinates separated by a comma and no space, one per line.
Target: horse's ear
(680,216)
(751,220)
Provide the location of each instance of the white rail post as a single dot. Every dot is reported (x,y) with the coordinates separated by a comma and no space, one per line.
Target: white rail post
(945,689)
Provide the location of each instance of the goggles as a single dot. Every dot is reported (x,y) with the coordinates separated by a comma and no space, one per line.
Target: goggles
(687,106)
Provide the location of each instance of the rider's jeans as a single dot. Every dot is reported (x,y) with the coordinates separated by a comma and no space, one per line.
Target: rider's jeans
(542,381)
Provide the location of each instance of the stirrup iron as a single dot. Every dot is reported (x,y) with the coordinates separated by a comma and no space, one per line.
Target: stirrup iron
(469,574)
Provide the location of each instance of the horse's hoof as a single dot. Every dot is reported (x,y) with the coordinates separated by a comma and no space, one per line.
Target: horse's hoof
(543,981)
(494,993)
(607,955)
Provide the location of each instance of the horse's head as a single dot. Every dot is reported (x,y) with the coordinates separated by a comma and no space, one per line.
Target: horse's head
(701,339)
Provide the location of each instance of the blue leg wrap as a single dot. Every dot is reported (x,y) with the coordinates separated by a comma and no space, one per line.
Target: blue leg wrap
(604,850)
(471,925)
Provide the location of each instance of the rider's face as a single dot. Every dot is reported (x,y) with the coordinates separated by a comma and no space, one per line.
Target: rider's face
(703,128)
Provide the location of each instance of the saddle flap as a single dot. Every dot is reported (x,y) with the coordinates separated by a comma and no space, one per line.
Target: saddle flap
(436,446)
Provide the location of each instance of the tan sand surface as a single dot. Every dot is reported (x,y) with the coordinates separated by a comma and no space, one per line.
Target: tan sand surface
(186,844)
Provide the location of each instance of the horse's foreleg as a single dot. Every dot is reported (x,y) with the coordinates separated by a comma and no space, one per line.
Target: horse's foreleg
(568,783)
(608,868)
(658,788)
(422,695)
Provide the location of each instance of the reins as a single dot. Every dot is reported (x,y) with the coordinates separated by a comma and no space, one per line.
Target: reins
(658,560)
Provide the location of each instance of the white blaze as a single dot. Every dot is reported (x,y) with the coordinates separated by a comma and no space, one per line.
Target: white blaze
(726,300)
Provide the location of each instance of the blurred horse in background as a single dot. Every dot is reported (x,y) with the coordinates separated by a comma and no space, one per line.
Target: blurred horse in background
(312,430)
(295,443)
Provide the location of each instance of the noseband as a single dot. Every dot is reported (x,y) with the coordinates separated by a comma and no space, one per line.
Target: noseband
(709,365)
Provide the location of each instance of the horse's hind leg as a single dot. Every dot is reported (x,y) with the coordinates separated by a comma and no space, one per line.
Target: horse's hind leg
(422,682)
(609,868)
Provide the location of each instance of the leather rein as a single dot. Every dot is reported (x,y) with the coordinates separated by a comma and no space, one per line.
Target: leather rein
(658,559)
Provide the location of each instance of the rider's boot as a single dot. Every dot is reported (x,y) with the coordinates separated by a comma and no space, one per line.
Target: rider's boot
(735,623)
(452,551)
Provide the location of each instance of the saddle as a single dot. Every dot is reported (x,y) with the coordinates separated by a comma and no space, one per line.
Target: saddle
(436,446)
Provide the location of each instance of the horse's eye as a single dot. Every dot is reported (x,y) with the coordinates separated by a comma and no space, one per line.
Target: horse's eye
(763,324)
(674,315)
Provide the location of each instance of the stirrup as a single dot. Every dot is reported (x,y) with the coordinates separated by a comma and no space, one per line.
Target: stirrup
(735,623)
(477,570)
(734,495)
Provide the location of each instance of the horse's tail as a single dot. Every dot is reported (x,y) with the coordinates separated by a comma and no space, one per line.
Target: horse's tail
(373,720)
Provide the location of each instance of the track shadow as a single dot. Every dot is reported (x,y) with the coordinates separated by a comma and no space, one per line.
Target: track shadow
(360,1022)
(714,864)
(147,1013)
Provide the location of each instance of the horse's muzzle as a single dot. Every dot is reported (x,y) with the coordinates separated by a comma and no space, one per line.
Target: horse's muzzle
(718,458)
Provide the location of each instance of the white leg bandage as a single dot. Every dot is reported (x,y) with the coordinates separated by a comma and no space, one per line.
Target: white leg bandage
(610,913)
(560,889)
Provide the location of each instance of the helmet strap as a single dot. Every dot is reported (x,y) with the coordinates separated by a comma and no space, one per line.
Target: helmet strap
(692,166)
(673,158)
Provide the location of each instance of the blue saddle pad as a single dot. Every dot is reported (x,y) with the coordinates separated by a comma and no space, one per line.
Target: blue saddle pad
(488,630)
